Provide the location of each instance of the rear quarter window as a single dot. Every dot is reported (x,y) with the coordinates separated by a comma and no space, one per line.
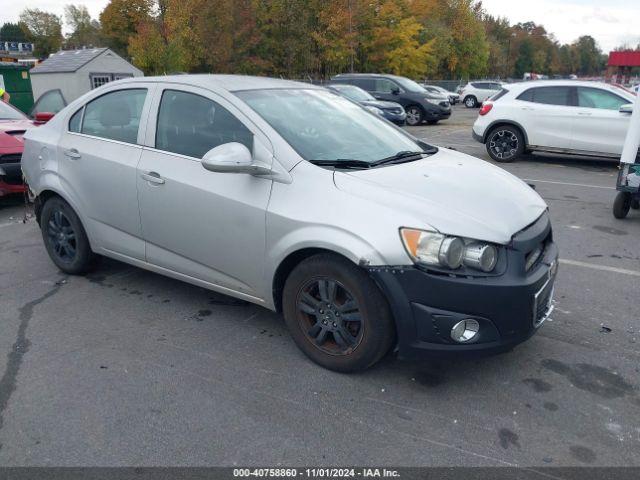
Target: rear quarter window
(499,95)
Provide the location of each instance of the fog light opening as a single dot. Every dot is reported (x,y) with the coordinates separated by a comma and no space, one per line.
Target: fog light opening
(465,330)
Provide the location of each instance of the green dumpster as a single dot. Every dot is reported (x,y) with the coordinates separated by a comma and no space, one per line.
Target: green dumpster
(16,80)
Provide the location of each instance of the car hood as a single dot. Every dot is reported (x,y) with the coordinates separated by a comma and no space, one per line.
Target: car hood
(381,104)
(453,193)
(11,132)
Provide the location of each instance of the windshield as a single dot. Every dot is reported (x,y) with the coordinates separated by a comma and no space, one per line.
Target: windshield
(409,85)
(7,112)
(354,93)
(320,125)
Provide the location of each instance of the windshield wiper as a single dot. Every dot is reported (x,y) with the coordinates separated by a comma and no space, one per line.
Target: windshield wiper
(400,157)
(342,163)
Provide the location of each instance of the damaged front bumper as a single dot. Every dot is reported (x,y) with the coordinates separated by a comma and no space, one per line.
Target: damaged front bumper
(508,307)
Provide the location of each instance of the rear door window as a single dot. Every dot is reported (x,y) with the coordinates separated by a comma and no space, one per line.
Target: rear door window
(548,96)
(191,125)
(367,84)
(598,98)
(115,115)
(385,86)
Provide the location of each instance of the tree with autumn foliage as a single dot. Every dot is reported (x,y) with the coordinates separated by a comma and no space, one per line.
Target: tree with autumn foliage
(315,38)
(120,20)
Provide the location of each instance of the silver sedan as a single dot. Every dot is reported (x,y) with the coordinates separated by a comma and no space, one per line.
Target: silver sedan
(293,198)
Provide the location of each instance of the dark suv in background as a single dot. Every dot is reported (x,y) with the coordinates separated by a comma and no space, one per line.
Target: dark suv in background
(417,102)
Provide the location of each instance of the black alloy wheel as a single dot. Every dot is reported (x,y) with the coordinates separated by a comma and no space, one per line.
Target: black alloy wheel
(505,144)
(330,316)
(336,313)
(62,237)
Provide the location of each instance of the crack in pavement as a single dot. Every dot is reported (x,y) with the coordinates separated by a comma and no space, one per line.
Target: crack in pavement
(18,350)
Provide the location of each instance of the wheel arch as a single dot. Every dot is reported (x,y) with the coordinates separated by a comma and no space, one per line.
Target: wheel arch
(50,191)
(501,123)
(291,261)
(41,199)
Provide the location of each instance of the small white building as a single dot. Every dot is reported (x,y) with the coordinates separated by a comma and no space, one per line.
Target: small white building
(75,72)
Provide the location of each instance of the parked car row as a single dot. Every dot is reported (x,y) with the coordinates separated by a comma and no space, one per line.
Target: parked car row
(420,105)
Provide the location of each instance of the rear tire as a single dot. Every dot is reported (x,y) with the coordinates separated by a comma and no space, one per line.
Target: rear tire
(64,237)
(336,314)
(505,143)
(622,204)
(415,116)
(471,102)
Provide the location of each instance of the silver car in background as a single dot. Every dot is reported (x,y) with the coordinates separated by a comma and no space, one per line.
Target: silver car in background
(296,199)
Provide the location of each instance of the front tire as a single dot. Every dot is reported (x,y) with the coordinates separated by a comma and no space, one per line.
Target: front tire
(505,143)
(64,237)
(415,116)
(336,314)
(471,102)
(622,204)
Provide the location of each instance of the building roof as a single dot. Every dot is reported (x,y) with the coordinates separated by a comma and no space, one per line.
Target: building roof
(67,60)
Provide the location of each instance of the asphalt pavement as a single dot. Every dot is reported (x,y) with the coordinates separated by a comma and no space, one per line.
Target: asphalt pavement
(126,367)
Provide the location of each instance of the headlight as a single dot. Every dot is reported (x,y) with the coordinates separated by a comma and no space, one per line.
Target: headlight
(436,249)
(481,256)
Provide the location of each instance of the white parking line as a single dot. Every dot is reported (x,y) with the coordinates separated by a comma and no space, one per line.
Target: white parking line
(571,184)
(604,268)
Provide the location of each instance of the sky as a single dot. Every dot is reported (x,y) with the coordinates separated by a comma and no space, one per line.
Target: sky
(610,22)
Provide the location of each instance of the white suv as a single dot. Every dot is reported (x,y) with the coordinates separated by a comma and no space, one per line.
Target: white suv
(474,93)
(563,116)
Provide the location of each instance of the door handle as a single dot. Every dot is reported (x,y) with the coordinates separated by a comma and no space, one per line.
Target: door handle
(585,114)
(72,153)
(152,177)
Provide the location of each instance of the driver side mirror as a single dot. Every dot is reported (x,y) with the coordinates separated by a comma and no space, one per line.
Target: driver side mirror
(43,117)
(628,108)
(395,91)
(232,157)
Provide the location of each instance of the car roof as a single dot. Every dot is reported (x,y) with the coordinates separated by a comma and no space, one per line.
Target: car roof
(231,83)
(360,75)
(558,83)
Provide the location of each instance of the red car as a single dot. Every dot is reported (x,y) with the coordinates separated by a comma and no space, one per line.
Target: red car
(13,124)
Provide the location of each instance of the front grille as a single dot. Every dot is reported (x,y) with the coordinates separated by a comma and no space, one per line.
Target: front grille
(10,158)
(543,303)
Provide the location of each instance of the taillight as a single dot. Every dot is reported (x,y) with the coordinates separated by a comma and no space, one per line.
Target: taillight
(486,108)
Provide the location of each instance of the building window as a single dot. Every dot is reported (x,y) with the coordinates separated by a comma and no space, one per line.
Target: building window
(99,80)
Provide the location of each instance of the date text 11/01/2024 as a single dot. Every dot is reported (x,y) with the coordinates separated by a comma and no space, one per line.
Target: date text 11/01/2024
(316,472)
